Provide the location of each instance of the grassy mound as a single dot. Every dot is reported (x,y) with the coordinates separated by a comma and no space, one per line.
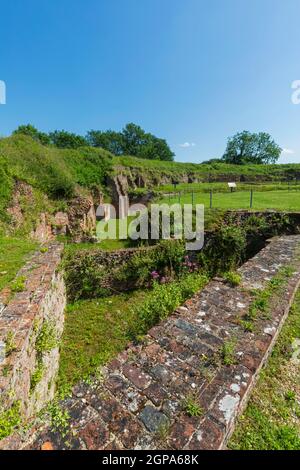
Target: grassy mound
(53,171)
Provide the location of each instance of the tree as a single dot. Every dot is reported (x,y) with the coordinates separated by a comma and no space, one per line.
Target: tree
(110,140)
(34,133)
(63,139)
(156,149)
(133,140)
(246,147)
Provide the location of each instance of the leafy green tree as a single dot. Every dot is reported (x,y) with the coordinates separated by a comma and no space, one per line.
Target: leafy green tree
(145,145)
(34,133)
(133,140)
(63,139)
(246,147)
(156,149)
(110,140)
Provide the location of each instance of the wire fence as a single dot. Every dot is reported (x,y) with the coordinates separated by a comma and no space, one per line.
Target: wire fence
(284,199)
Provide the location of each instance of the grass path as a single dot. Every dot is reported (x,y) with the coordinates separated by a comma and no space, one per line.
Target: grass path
(272,418)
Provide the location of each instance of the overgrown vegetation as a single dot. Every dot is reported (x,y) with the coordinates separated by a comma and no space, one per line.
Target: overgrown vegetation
(260,306)
(192,407)
(10,343)
(19,284)
(227,352)
(232,278)
(164,299)
(234,241)
(208,171)
(9,419)
(92,274)
(54,171)
(46,340)
(59,418)
(225,250)
(272,418)
(13,254)
(95,331)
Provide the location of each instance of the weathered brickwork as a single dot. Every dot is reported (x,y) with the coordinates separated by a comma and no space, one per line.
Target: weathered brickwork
(139,400)
(30,329)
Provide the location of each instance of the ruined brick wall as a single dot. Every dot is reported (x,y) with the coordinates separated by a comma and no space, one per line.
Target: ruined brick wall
(139,402)
(31,325)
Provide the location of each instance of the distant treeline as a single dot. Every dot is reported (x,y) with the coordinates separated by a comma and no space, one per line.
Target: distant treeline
(132,140)
(242,149)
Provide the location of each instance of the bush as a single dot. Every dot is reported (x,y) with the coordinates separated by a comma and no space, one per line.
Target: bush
(225,250)
(166,259)
(88,275)
(84,276)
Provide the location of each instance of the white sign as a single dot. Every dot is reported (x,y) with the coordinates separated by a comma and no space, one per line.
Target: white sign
(231,185)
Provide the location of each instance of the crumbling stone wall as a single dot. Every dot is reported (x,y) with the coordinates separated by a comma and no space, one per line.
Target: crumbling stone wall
(31,325)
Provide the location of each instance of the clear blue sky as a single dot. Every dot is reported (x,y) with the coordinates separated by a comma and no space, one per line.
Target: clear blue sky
(192,71)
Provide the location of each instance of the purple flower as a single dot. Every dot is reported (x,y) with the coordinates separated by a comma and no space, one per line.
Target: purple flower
(154,275)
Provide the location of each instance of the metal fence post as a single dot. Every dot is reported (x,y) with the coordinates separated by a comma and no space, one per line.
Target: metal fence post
(210,198)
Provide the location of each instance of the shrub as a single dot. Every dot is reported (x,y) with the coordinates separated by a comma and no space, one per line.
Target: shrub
(84,276)
(166,258)
(225,250)
(89,276)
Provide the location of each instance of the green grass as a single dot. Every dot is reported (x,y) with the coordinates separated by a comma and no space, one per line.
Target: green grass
(54,171)
(95,331)
(268,172)
(223,187)
(272,418)
(13,254)
(282,200)
(117,244)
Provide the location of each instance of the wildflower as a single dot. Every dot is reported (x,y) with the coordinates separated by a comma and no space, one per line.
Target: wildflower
(154,275)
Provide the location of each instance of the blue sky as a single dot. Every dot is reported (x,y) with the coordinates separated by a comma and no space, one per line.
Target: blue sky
(191,71)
